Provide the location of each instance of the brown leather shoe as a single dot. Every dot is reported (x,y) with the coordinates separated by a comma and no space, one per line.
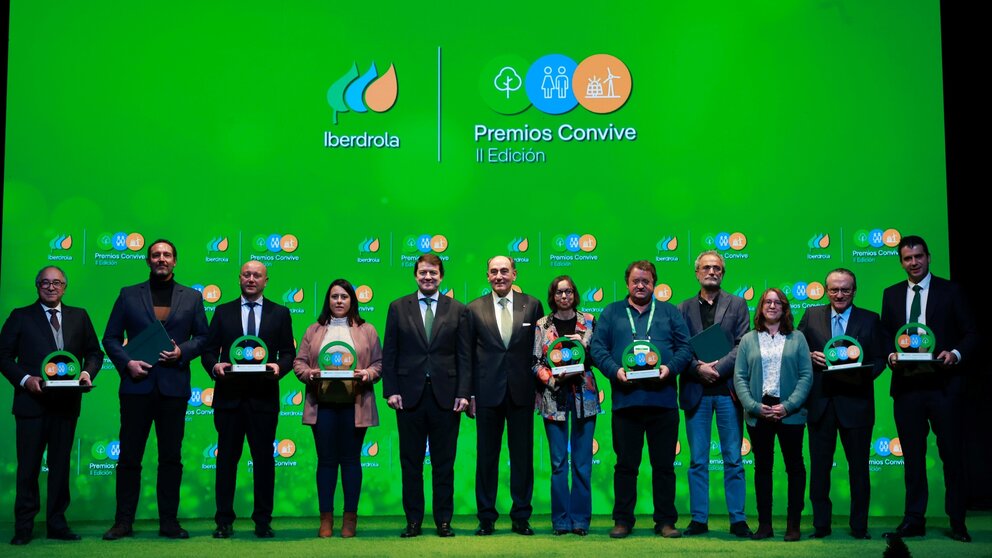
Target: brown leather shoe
(668,531)
(326,525)
(619,531)
(348,524)
(764,532)
(792,533)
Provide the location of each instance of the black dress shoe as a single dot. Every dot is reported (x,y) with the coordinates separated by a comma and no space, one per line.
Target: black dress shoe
(21,538)
(695,528)
(819,533)
(64,535)
(861,534)
(580,531)
(264,532)
(560,532)
(412,530)
(960,534)
(118,531)
(522,527)
(741,530)
(485,529)
(223,531)
(906,530)
(445,530)
(172,531)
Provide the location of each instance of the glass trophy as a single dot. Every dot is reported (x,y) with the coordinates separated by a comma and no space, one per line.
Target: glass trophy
(61,370)
(337,361)
(845,358)
(248,355)
(566,357)
(641,361)
(915,343)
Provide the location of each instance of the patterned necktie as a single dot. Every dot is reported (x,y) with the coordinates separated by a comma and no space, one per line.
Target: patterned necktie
(915,306)
(428,318)
(55,320)
(506,322)
(838,326)
(250,330)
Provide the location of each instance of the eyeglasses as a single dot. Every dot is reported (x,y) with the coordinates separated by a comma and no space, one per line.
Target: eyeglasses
(773,302)
(564,292)
(836,291)
(713,268)
(45,283)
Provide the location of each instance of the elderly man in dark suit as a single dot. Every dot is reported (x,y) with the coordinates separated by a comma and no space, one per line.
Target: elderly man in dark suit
(427,386)
(705,391)
(930,397)
(246,405)
(497,342)
(843,405)
(154,392)
(45,417)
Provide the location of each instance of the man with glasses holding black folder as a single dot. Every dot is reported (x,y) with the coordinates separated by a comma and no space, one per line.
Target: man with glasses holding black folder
(154,388)
(705,391)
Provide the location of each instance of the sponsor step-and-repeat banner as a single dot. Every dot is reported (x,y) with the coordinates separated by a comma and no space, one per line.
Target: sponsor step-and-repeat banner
(793,139)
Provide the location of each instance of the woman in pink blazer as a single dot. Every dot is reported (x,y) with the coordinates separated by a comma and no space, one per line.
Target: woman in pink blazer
(339,411)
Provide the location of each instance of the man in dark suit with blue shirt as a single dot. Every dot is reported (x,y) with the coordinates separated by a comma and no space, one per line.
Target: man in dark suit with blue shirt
(705,391)
(154,392)
(497,341)
(930,397)
(427,386)
(246,404)
(45,417)
(839,404)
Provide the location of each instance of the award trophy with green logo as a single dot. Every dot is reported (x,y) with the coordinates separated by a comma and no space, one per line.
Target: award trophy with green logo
(60,370)
(641,361)
(915,343)
(248,355)
(337,361)
(845,358)
(566,357)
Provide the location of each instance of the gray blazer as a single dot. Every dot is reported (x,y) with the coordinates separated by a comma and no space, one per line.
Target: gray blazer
(796,377)
(734,319)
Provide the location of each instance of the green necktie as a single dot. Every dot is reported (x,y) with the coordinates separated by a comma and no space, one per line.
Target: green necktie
(428,318)
(505,323)
(914,307)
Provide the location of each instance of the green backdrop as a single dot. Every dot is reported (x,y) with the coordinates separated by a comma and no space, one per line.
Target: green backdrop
(795,136)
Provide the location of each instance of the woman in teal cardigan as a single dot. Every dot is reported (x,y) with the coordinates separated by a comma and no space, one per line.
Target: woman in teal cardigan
(772,378)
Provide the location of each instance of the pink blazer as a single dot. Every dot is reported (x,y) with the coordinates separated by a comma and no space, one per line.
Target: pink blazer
(369,352)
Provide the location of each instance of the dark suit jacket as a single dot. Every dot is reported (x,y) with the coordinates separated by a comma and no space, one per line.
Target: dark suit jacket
(260,391)
(187,325)
(494,368)
(854,403)
(947,315)
(25,341)
(735,320)
(407,356)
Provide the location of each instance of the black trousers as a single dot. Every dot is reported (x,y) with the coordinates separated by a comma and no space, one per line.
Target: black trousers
(790,438)
(916,413)
(34,434)
(233,426)
(519,423)
(822,446)
(428,421)
(138,413)
(630,427)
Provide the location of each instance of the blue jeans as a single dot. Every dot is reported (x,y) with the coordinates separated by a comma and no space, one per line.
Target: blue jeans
(699,430)
(571,509)
(339,445)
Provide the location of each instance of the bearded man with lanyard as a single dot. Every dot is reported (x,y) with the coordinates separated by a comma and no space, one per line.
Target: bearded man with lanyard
(643,407)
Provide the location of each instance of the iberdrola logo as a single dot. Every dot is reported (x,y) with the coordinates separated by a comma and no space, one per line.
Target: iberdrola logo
(362,93)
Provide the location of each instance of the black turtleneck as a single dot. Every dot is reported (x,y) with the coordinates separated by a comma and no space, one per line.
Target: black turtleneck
(161,295)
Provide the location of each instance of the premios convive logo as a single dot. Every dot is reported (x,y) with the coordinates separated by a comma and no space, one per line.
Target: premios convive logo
(104,454)
(663,292)
(666,246)
(886,452)
(59,246)
(275,247)
(200,402)
(211,295)
(553,84)
(730,244)
(802,291)
(872,243)
(113,247)
(361,93)
(364,294)
(416,244)
(572,247)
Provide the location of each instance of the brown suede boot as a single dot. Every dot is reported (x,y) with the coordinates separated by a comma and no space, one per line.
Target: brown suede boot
(326,525)
(792,533)
(348,524)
